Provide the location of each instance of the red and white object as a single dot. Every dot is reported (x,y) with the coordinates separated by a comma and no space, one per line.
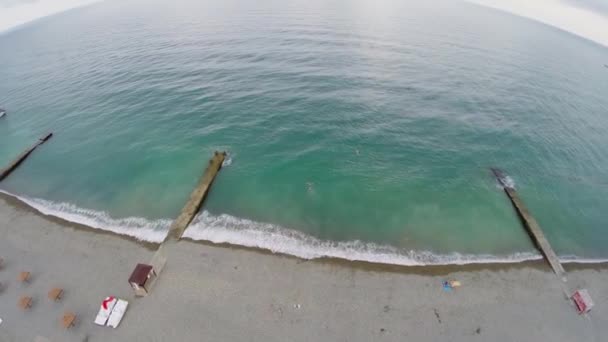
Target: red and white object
(111,312)
(107,305)
(583,301)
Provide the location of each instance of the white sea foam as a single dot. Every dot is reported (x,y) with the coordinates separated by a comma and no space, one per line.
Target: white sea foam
(573,259)
(137,227)
(232,230)
(242,232)
(567,16)
(509,182)
(505,181)
(228,160)
(16,13)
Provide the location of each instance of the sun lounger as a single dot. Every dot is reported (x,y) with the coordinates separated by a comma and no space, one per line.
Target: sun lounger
(25,302)
(105,310)
(55,294)
(68,320)
(24,277)
(117,313)
(111,312)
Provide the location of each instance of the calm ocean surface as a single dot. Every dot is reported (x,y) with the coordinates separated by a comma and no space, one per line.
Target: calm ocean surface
(356,129)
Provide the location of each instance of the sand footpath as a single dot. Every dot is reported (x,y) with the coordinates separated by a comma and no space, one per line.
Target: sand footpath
(218,293)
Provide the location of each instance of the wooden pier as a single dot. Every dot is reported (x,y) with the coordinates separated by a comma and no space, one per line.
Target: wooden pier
(531,225)
(196,198)
(12,166)
(192,207)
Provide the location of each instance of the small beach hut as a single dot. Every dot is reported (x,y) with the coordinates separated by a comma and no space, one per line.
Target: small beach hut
(142,278)
(145,275)
(583,301)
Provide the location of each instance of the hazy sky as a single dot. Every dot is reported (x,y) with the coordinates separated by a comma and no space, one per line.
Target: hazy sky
(585,18)
(16,12)
(600,6)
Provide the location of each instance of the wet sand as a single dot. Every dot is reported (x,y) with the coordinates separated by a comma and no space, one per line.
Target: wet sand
(222,293)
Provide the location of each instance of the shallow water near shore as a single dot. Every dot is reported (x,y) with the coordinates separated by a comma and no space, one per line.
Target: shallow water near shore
(354,131)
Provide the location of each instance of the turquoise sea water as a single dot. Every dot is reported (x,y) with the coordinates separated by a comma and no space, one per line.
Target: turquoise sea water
(356,129)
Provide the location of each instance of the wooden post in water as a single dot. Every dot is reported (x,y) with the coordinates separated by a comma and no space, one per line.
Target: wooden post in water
(12,166)
(196,198)
(531,225)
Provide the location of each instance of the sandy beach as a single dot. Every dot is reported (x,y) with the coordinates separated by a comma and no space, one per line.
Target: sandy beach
(223,293)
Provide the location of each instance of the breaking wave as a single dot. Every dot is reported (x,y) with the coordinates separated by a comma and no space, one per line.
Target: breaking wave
(232,230)
(236,231)
(137,227)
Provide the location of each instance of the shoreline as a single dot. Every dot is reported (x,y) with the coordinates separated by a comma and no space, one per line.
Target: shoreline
(221,293)
(431,269)
(18,204)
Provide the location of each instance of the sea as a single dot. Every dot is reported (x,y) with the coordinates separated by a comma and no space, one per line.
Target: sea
(355,129)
